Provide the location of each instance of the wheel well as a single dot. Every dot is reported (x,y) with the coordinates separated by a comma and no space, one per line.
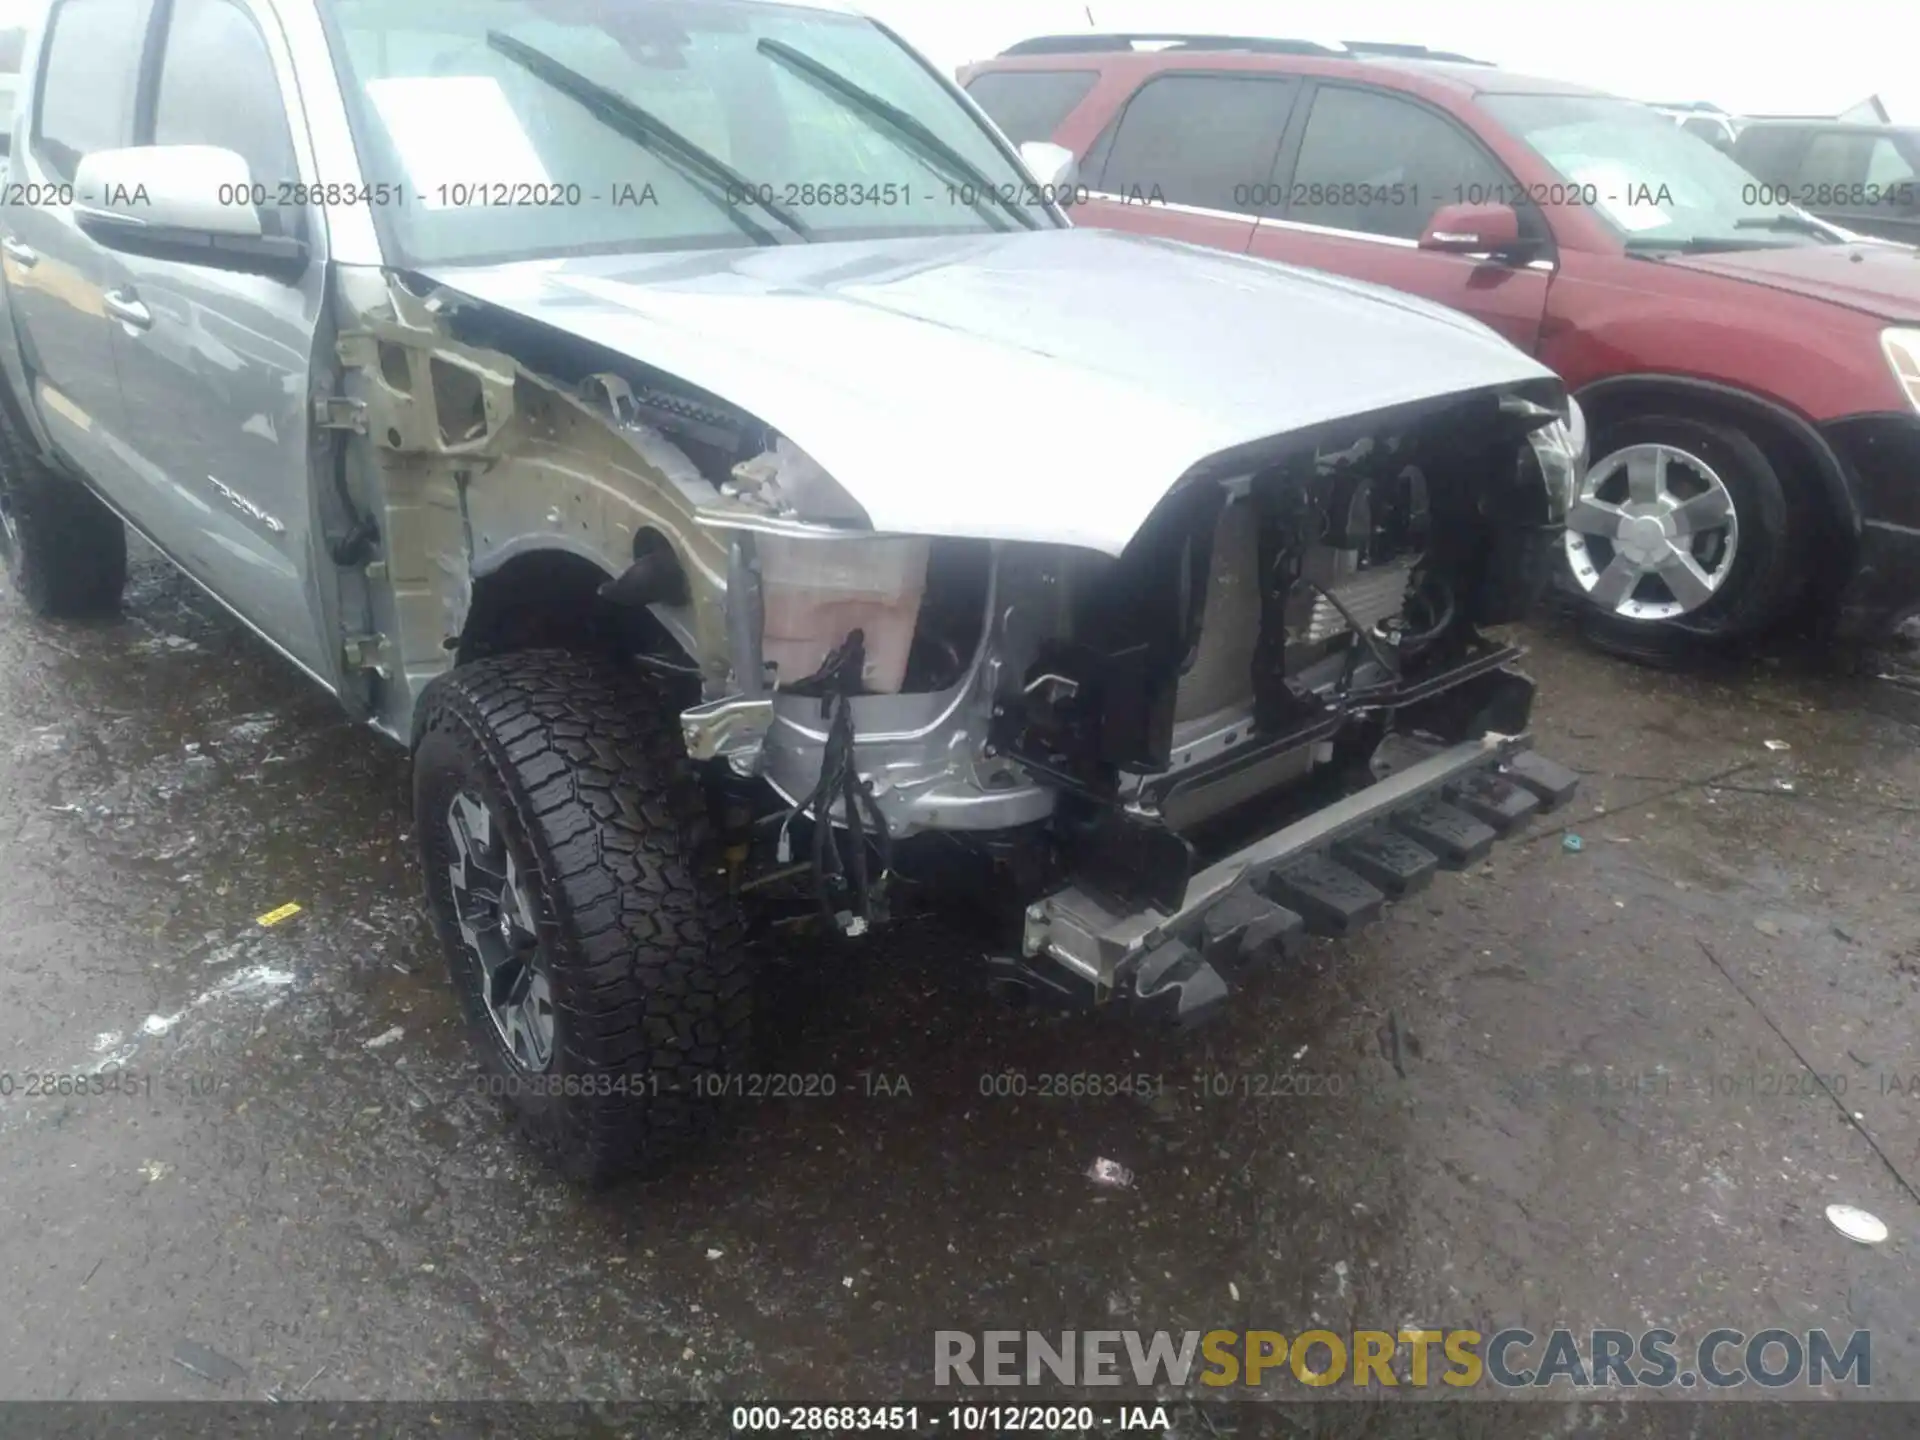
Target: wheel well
(1816,485)
(543,599)
(14,430)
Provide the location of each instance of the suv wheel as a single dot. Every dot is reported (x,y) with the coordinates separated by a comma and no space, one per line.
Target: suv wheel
(66,552)
(1680,534)
(582,904)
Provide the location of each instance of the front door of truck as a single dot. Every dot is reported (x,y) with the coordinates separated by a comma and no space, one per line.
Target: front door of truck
(214,364)
(1356,186)
(57,278)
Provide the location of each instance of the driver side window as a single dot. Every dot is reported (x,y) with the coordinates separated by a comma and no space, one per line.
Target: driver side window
(88,76)
(1382,166)
(218,87)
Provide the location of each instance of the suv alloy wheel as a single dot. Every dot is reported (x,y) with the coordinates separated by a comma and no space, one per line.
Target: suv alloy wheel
(1680,533)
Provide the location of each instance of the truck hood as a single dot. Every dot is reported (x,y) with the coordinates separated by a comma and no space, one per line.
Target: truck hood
(1881,280)
(1044,385)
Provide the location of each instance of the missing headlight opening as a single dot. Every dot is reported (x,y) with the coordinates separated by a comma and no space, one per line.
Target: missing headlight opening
(1032,715)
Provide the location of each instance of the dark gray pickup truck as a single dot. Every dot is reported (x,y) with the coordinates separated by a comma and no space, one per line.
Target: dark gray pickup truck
(700,437)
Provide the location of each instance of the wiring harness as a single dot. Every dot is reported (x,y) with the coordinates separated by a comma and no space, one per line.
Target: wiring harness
(842,872)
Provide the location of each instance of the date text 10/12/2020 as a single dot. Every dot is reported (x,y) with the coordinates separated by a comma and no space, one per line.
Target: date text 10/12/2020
(947,1419)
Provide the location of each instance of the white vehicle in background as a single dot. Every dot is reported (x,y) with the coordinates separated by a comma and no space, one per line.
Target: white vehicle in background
(1709,122)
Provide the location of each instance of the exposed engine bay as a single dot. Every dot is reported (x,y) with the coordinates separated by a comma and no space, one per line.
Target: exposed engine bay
(1066,713)
(1060,732)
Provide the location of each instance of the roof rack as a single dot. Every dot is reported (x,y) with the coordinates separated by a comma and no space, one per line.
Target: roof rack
(1119,42)
(1108,43)
(1389,50)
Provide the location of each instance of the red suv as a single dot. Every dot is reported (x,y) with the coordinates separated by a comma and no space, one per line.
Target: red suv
(1750,374)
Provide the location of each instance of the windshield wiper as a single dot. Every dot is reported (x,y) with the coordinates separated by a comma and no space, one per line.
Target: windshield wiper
(895,121)
(1643,245)
(1788,223)
(649,131)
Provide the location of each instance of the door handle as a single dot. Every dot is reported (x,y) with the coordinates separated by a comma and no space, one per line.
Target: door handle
(122,305)
(25,256)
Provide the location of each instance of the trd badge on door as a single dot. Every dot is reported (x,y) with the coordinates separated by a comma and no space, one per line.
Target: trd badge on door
(247,507)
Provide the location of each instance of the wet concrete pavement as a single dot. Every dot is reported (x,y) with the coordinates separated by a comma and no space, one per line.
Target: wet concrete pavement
(1564,1088)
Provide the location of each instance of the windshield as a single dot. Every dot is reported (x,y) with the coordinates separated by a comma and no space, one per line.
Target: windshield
(495,130)
(1657,184)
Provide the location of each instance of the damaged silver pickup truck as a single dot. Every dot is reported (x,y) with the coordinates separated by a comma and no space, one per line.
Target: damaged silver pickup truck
(697,434)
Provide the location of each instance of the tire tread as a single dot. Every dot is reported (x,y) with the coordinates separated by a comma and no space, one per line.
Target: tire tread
(71,562)
(645,942)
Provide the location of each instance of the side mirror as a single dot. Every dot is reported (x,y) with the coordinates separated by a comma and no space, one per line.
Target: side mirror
(1472,230)
(193,203)
(1053,167)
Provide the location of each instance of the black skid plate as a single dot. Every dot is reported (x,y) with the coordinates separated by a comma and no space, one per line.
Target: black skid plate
(1553,782)
(1332,899)
(1245,929)
(1494,800)
(1327,873)
(1448,831)
(1393,862)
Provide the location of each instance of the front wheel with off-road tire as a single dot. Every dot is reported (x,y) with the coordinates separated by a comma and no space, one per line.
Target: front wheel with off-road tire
(65,551)
(1683,537)
(578,890)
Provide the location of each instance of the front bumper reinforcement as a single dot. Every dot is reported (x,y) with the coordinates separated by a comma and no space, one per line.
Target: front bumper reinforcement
(1326,874)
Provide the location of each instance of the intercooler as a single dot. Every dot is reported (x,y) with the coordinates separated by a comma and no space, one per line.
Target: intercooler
(1219,678)
(1369,596)
(1214,661)
(1214,706)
